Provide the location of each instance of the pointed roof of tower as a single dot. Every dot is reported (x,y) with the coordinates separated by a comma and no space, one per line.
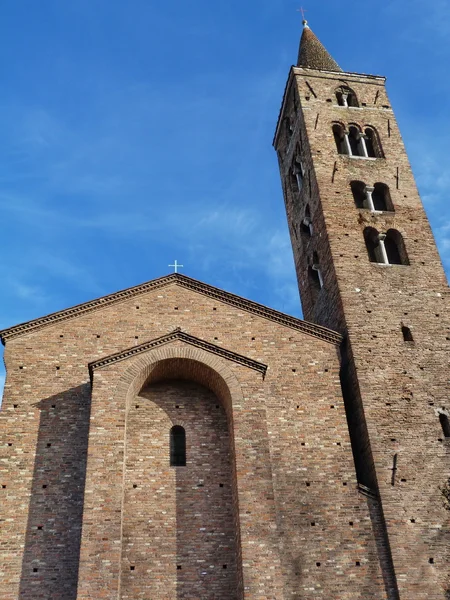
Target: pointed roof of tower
(313,54)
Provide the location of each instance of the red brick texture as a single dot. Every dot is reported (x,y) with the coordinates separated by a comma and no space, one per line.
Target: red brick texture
(394,388)
(260,398)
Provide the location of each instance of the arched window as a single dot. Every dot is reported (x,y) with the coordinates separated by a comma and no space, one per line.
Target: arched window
(356,141)
(346,97)
(306,226)
(372,143)
(359,193)
(371,237)
(315,283)
(381,197)
(289,128)
(177,446)
(340,137)
(315,275)
(395,248)
(387,249)
(297,172)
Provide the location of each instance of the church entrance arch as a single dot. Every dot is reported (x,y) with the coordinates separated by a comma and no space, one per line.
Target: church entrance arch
(180,525)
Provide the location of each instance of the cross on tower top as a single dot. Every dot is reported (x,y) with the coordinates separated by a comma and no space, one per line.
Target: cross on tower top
(303,11)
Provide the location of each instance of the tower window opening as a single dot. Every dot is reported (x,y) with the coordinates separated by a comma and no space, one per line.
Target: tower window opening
(395,248)
(372,143)
(359,193)
(346,97)
(356,141)
(306,226)
(381,198)
(341,139)
(315,282)
(385,248)
(445,424)
(177,446)
(297,175)
(289,128)
(375,246)
(407,334)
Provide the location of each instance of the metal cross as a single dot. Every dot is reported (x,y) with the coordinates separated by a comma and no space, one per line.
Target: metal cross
(303,11)
(177,266)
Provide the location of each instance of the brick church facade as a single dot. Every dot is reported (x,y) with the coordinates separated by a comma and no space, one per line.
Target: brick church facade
(174,441)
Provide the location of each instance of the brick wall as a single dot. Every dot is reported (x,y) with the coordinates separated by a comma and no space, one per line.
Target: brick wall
(295,523)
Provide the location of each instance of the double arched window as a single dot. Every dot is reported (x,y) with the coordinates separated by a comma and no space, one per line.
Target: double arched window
(356,142)
(346,97)
(177,446)
(376,198)
(385,248)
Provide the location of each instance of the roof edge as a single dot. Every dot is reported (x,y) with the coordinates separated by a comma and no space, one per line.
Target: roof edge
(192,284)
(175,335)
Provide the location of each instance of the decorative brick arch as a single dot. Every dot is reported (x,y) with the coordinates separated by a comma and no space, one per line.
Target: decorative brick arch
(191,362)
(194,364)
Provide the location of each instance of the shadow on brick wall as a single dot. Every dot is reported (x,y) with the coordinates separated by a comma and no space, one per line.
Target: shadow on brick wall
(52,543)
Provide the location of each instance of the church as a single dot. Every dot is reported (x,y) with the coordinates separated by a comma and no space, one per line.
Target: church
(174,441)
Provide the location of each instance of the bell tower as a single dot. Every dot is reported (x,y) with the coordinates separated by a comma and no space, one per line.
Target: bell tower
(367,266)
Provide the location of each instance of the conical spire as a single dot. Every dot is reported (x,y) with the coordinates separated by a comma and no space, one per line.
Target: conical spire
(313,54)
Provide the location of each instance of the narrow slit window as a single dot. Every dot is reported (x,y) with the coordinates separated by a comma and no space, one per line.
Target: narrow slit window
(177,446)
(407,334)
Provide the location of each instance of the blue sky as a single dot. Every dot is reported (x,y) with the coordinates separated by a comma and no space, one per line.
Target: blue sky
(134,133)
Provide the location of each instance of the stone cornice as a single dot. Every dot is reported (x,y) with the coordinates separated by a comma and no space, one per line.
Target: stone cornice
(185,282)
(176,335)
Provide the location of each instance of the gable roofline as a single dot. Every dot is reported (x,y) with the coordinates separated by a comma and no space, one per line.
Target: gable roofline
(176,335)
(183,281)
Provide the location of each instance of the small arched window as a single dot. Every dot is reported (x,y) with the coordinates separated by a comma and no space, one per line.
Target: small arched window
(373,146)
(315,275)
(289,128)
(359,193)
(297,174)
(306,226)
(346,97)
(356,143)
(395,248)
(177,446)
(407,334)
(341,139)
(381,197)
(371,237)
(315,282)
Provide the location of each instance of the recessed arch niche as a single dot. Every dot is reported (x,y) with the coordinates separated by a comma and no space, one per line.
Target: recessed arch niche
(180,526)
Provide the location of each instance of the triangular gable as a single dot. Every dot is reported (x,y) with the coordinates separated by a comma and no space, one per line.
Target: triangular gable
(185,282)
(171,337)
